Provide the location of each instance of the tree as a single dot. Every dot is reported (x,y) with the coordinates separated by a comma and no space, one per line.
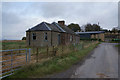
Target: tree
(114,30)
(94,27)
(74,27)
(88,27)
(23,38)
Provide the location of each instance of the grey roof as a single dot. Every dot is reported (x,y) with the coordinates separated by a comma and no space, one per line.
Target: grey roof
(91,32)
(40,27)
(47,26)
(63,28)
(51,27)
(44,27)
(59,27)
(68,30)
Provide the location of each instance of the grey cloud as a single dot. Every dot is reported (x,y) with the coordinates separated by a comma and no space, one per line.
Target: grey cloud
(54,10)
(10,18)
(11,25)
(14,25)
(17,20)
(119,14)
(105,13)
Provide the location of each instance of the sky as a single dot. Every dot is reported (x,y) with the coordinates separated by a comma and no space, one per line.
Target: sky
(17,17)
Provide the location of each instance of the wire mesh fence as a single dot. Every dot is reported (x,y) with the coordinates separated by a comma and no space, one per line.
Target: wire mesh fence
(43,53)
(35,54)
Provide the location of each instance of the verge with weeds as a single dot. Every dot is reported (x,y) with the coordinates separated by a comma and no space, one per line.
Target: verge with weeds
(54,65)
(117,45)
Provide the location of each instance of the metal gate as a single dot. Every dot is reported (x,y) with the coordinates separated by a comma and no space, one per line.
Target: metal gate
(12,60)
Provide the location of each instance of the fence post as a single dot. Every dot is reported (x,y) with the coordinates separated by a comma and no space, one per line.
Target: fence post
(73,47)
(26,55)
(62,49)
(53,50)
(37,55)
(82,46)
(33,50)
(29,54)
(3,47)
(47,50)
(11,61)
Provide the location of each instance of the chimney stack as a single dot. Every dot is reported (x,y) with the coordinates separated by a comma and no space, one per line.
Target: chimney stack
(61,23)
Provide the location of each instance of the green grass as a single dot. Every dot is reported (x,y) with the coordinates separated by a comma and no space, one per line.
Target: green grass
(117,45)
(13,45)
(54,65)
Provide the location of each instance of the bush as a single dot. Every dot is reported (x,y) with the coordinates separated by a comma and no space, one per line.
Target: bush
(115,40)
(24,38)
(90,39)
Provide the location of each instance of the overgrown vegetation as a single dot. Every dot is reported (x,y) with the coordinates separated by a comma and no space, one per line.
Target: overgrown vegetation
(53,64)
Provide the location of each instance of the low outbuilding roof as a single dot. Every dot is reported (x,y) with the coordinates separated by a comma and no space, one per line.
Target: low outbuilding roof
(91,32)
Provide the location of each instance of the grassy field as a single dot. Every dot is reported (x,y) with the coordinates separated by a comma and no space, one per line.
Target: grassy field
(13,44)
(60,62)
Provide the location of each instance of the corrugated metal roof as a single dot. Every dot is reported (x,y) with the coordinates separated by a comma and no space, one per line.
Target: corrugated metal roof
(91,32)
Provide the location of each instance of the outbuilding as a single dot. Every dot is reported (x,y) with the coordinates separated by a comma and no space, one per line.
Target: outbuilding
(92,35)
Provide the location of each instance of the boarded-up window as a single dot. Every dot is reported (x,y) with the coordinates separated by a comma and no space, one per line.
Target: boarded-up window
(34,36)
(45,37)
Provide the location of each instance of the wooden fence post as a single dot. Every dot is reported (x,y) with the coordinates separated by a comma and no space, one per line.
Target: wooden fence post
(3,47)
(82,45)
(73,47)
(53,50)
(47,50)
(37,54)
(33,49)
(62,49)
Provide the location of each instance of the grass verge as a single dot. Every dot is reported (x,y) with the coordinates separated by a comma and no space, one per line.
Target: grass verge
(54,65)
(117,45)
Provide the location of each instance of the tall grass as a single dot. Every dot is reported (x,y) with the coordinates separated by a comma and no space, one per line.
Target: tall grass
(53,65)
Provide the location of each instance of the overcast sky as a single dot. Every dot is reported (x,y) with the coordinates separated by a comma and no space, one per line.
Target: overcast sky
(17,17)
